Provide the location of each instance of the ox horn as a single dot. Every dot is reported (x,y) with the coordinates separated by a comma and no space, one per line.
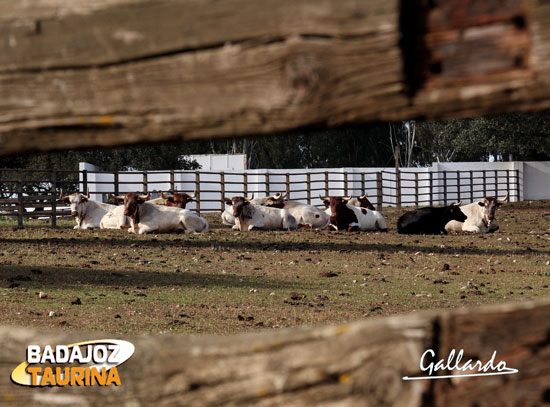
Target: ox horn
(346,198)
(363,196)
(458,203)
(87,196)
(164,197)
(277,195)
(145,197)
(194,195)
(503,199)
(249,199)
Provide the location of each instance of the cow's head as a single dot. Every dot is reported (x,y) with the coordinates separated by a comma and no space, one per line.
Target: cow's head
(241,206)
(341,216)
(131,202)
(453,212)
(276,201)
(178,199)
(489,206)
(365,203)
(76,201)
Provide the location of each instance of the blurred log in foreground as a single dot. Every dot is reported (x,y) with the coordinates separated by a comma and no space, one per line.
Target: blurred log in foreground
(110,72)
(357,364)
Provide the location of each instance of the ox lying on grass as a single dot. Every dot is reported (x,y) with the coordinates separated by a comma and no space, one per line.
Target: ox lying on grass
(351,218)
(87,213)
(249,216)
(429,221)
(306,215)
(227,214)
(146,218)
(481,217)
(115,219)
(362,202)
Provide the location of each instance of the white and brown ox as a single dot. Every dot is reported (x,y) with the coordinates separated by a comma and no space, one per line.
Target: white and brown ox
(362,202)
(115,219)
(146,218)
(86,213)
(481,217)
(352,218)
(227,214)
(306,215)
(249,216)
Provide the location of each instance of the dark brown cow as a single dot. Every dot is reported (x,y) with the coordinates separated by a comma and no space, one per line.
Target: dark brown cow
(131,201)
(342,217)
(178,199)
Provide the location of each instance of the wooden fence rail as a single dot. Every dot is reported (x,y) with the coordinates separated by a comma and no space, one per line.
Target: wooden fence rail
(355,364)
(384,188)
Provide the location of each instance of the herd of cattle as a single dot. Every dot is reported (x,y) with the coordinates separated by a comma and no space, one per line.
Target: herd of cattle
(140,214)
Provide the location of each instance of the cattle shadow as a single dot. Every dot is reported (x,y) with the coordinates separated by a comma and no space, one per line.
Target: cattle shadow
(74,277)
(290,246)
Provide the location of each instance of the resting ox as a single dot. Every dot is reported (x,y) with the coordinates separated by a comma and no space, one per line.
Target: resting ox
(227,214)
(362,202)
(249,216)
(351,218)
(481,217)
(429,220)
(146,218)
(87,213)
(115,219)
(306,215)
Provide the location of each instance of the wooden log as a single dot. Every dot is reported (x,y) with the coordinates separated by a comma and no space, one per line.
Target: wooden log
(73,74)
(357,364)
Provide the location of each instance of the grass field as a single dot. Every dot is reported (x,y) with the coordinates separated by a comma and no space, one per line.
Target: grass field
(225,281)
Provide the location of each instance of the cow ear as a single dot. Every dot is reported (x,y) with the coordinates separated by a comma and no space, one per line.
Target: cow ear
(228,202)
(481,203)
(83,199)
(326,202)
(67,201)
(499,204)
(120,201)
(171,199)
(140,201)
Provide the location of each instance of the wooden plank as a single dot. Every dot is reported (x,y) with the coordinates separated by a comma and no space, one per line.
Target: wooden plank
(357,364)
(76,81)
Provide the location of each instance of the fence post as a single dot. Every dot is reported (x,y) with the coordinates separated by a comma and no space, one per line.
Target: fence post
(326,183)
(484,183)
(84,181)
(288,185)
(172,182)
(518,195)
(144,182)
(363,187)
(508,183)
(416,189)
(245,184)
(20,198)
(222,189)
(198,192)
(379,191)
(471,186)
(496,183)
(54,199)
(458,185)
(431,188)
(398,187)
(267,183)
(346,184)
(445,186)
(308,188)
(116,183)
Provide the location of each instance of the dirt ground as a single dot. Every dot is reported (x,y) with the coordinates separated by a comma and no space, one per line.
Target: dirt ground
(225,281)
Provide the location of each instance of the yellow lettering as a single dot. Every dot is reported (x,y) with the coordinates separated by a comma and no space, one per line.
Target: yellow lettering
(113,377)
(62,377)
(48,379)
(77,379)
(34,375)
(99,376)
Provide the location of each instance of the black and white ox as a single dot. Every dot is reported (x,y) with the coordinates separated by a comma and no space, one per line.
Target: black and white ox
(481,217)
(86,212)
(249,216)
(306,215)
(430,220)
(146,218)
(344,216)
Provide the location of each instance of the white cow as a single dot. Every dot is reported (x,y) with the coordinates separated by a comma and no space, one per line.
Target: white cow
(249,216)
(146,218)
(367,220)
(227,214)
(306,215)
(87,213)
(481,217)
(115,219)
